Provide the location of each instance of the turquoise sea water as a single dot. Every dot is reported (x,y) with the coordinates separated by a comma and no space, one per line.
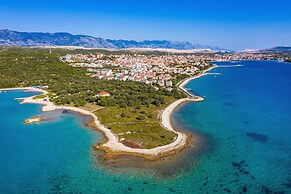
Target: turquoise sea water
(245,124)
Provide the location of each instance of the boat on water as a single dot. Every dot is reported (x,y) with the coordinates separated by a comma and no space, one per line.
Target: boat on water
(234,61)
(281,60)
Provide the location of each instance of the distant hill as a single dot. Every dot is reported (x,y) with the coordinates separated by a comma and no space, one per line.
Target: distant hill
(14,38)
(278,49)
(160,44)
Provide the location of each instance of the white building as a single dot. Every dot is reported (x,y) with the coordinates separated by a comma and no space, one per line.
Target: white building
(169,83)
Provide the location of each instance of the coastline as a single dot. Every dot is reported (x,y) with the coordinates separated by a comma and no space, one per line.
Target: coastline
(187,80)
(112,146)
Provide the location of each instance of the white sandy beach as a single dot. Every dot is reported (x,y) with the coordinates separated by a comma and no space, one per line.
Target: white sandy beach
(113,142)
(185,82)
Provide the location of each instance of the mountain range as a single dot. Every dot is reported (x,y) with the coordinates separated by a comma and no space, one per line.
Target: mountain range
(15,38)
(278,49)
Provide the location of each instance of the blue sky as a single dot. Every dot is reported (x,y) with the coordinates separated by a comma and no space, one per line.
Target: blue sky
(231,24)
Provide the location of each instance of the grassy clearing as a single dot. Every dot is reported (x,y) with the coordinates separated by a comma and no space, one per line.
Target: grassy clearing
(39,96)
(139,124)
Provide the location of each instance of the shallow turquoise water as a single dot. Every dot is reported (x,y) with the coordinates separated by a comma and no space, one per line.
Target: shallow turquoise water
(255,99)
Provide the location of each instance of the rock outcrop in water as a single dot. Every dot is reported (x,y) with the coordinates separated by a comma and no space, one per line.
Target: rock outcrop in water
(257,137)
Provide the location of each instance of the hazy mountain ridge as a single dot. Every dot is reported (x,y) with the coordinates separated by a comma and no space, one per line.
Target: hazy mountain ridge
(159,44)
(277,49)
(14,38)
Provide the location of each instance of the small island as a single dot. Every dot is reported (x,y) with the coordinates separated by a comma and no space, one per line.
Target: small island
(32,120)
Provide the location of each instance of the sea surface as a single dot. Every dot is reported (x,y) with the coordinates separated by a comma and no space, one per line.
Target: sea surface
(244,126)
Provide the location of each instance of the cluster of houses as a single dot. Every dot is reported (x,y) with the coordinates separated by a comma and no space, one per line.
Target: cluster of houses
(164,60)
(157,70)
(236,56)
(86,65)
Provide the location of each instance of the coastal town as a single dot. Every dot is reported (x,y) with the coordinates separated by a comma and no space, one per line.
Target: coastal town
(145,97)
(159,70)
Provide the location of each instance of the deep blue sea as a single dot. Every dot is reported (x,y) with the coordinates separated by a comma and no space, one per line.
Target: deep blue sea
(245,124)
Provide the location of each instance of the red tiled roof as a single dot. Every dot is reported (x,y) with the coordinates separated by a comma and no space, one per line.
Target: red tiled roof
(103,93)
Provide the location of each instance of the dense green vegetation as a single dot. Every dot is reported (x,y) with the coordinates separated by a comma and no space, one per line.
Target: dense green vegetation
(40,96)
(138,124)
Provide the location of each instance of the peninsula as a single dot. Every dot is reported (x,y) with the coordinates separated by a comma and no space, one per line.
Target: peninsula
(130,96)
(133,115)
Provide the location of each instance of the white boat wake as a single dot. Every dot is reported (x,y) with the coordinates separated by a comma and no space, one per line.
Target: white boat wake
(239,65)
